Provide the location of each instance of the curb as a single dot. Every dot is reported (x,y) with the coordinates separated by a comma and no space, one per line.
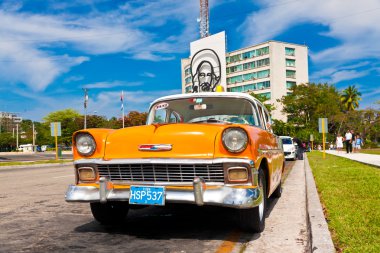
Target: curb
(35,165)
(320,237)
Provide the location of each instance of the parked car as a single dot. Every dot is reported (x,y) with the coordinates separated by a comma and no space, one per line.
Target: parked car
(290,147)
(188,152)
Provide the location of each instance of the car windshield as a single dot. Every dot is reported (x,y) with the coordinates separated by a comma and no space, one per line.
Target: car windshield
(225,110)
(287,141)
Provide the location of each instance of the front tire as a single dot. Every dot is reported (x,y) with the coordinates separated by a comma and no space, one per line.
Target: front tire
(253,219)
(110,213)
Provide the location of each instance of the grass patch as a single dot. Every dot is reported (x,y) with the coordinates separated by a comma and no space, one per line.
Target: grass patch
(350,193)
(370,151)
(36,162)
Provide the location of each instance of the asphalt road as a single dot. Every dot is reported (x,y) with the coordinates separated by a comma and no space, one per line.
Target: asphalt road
(35,218)
(28,157)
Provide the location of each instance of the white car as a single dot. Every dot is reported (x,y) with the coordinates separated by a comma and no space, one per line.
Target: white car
(290,149)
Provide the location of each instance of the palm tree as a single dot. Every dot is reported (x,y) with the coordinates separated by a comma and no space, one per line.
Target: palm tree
(350,98)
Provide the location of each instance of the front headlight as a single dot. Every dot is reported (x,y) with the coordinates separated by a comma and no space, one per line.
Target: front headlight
(85,144)
(235,139)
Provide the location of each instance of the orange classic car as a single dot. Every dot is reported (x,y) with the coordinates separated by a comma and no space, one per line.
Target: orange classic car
(200,148)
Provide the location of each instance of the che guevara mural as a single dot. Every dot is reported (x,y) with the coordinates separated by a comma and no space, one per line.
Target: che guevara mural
(208,63)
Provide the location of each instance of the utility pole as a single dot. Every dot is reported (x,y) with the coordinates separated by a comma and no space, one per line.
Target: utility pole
(34,137)
(16,136)
(85,106)
(204,19)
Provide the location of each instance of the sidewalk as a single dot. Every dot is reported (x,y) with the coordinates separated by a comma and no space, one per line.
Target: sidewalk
(296,223)
(373,160)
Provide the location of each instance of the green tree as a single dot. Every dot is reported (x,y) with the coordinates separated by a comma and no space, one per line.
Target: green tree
(350,98)
(7,142)
(135,118)
(70,122)
(308,102)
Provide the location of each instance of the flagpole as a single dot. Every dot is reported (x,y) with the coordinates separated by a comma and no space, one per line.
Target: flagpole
(85,107)
(122,105)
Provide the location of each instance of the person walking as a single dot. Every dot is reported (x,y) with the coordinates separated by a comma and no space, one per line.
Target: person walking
(299,148)
(348,141)
(339,142)
(358,142)
(353,141)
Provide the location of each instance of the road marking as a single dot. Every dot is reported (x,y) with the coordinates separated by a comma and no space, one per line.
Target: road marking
(64,176)
(229,244)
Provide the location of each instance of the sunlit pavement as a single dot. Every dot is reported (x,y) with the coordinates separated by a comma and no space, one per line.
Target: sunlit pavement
(359,157)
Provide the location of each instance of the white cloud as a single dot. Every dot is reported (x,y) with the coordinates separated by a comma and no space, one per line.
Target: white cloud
(73,79)
(148,74)
(29,41)
(113,84)
(336,75)
(351,22)
(347,75)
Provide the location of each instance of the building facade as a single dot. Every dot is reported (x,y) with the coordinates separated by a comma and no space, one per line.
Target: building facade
(269,68)
(8,121)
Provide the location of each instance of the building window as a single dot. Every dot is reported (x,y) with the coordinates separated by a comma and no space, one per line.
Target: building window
(248,77)
(188,80)
(187,71)
(290,51)
(250,87)
(290,73)
(235,58)
(249,54)
(290,84)
(266,94)
(263,62)
(263,73)
(262,51)
(290,63)
(249,65)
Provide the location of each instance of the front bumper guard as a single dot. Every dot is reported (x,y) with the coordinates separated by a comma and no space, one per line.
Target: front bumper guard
(226,196)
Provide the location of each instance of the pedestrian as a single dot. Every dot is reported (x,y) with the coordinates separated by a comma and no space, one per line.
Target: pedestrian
(348,141)
(339,142)
(358,142)
(299,148)
(353,141)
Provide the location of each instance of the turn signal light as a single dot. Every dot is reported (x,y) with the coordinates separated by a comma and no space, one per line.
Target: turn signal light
(237,174)
(86,174)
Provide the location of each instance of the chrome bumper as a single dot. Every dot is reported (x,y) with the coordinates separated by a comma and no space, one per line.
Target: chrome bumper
(225,196)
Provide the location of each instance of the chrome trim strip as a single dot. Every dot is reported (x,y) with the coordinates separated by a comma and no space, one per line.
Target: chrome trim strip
(125,182)
(162,161)
(155,147)
(225,196)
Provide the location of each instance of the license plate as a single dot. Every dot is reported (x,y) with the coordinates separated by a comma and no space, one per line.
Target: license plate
(147,195)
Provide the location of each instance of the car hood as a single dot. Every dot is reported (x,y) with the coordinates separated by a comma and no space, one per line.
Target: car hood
(186,141)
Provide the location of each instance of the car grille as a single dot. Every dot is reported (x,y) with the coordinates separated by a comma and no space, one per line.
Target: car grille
(162,172)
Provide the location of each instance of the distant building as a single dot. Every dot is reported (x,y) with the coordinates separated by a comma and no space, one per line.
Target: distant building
(269,68)
(8,121)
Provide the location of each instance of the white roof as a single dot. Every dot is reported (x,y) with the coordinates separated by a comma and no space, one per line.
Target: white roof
(208,94)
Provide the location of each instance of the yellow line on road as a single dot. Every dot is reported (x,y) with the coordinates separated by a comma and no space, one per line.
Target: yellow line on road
(229,244)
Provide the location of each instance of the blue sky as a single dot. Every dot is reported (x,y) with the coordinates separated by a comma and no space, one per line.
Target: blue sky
(50,50)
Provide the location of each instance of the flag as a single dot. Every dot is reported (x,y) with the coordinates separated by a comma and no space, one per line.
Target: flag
(122,100)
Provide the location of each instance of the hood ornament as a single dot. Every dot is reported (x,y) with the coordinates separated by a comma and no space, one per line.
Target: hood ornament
(155,147)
